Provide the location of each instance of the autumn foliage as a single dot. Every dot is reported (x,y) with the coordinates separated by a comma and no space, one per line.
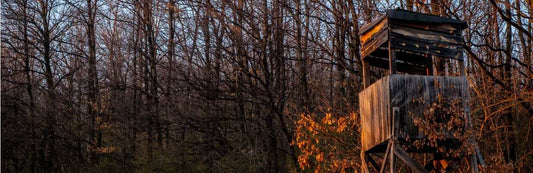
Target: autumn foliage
(328,142)
(445,124)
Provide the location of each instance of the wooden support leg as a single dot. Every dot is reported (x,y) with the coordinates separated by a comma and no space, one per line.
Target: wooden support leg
(366,73)
(461,69)
(371,161)
(461,64)
(387,152)
(364,167)
(391,159)
(392,60)
(401,154)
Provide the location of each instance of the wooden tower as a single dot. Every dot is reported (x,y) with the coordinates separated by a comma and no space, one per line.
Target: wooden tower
(407,44)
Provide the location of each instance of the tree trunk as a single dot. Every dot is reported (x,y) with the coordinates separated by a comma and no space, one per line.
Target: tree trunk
(93,88)
(511,150)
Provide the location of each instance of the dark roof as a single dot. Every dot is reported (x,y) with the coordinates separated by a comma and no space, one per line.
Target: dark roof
(404,15)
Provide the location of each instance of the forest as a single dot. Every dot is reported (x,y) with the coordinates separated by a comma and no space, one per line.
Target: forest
(233,85)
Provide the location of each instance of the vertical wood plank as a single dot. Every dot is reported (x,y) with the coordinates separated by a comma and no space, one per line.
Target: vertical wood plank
(387,153)
(396,121)
(366,73)
(392,59)
(391,159)
(461,64)
(392,53)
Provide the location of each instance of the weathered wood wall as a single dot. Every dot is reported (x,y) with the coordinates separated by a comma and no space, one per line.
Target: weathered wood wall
(378,100)
(374,108)
(441,40)
(415,37)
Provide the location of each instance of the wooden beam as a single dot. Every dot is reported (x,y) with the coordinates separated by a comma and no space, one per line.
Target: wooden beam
(400,153)
(425,48)
(395,111)
(392,53)
(392,59)
(364,167)
(391,159)
(395,121)
(416,67)
(441,28)
(389,146)
(371,161)
(461,64)
(427,36)
(366,73)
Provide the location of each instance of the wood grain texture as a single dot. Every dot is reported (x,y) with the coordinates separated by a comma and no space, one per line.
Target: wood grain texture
(377,101)
(375,116)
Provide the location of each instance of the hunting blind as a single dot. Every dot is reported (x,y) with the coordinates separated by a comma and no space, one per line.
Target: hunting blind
(407,44)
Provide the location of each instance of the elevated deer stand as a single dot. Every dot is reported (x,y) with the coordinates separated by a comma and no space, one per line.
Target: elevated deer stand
(407,43)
